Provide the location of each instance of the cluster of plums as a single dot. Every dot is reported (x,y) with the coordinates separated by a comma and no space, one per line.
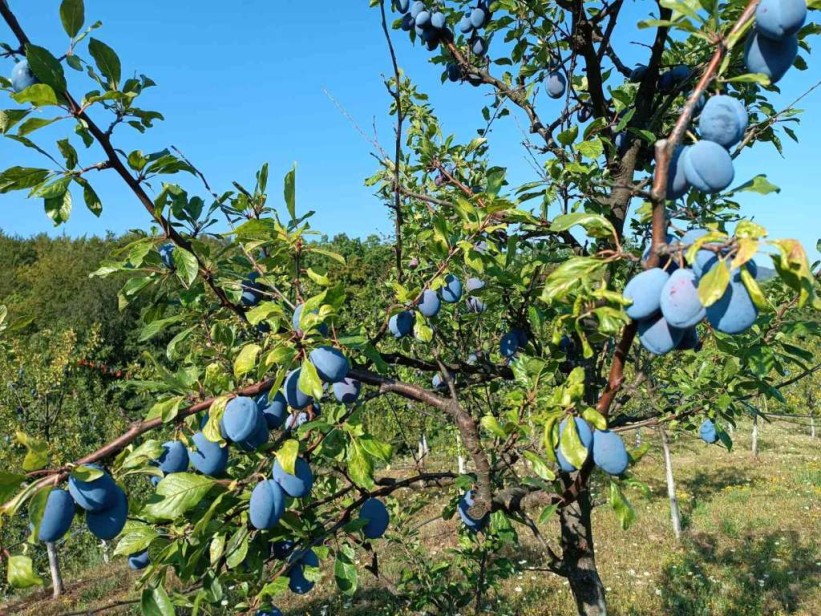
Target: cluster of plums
(666,305)
(707,165)
(430,302)
(429,25)
(104,502)
(773,44)
(607,448)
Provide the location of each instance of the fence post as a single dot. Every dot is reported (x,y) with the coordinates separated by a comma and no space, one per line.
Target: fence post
(755,436)
(54,568)
(675,517)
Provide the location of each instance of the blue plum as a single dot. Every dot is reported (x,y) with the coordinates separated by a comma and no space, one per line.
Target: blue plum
(657,336)
(295,420)
(376,513)
(429,304)
(734,312)
(707,431)
(689,341)
(282,549)
(769,57)
(474,284)
(297,581)
(273,411)
(465,25)
(295,397)
(331,364)
(479,17)
(57,516)
(454,74)
(438,20)
(422,19)
(108,523)
(258,437)
(644,289)
(437,381)
(509,344)
(269,612)
(679,300)
(167,255)
(208,457)
(347,391)
(476,305)
(585,436)
(451,291)
(174,457)
(638,73)
(407,22)
(708,167)
(676,178)
(251,290)
(585,113)
(240,418)
(609,453)
(298,485)
(267,504)
(139,560)
(21,76)
(723,120)
(401,6)
(416,8)
(94,495)
(673,78)
(778,19)
(401,324)
(463,508)
(322,328)
(479,47)
(556,84)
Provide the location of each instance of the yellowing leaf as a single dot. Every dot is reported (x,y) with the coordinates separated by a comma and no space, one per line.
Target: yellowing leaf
(713,284)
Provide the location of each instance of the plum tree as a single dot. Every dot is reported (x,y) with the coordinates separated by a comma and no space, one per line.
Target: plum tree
(109,522)
(556,84)
(273,410)
(297,484)
(331,364)
(708,167)
(769,57)
(57,516)
(267,504)
(451,291)
(347,390)
(707,431)
(679,300)
(609,452)
(644,290)
(139,561)
(429,304)
(401,324)
(93,494)
(208,457)
(374,511)
(723,120)
(22,77)
(174,457)
(240,418)
(779,19)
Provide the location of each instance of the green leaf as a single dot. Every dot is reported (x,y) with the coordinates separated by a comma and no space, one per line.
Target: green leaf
(107,61)
(177,493)
(360,466)
(540,466)
(375,448)
(569,136)
(594,418)
(10,117)
(547,513)
(39,95)
(571,445)
(421,331)
(156,602)
(136,537)
(290,192)
(621,506)
(345,570)
(211,431)
(491,424)
(287,454)
(714,283)
(246,359)
(9,484)
(21,573)
(185,264)
(68,152)
(167,409)
(72,14)
(20,178)
(155,327)
(46,67)
(37,507)
(86,473)
(58,208)
(93,202)
(36,452)
(754,290)
(759,184)
(595,224)
(309,381)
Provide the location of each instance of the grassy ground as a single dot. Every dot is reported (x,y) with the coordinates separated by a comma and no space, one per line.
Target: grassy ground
(751,547)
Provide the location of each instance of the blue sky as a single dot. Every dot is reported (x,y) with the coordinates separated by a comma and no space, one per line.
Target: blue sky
(246,85)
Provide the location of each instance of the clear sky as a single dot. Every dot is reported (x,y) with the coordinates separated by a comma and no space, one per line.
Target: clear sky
(245,82)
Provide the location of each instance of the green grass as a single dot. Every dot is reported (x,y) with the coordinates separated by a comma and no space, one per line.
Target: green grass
(750,548)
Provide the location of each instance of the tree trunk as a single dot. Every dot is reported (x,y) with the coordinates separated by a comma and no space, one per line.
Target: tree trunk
(755,436)
(671,482)
(54,568)
(578,557)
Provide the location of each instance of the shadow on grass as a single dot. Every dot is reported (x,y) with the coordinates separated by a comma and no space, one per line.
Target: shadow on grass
(762,575)
(704,485)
